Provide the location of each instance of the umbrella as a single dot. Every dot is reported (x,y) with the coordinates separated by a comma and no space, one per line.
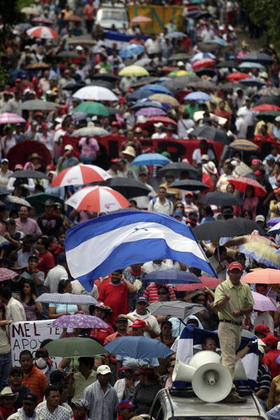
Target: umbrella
(248,65)
(38,201)
(138,347)
(93,108)
(264,107)
(252,82)
(273,100)
(130,50)
(165,99)
(79,321)
(140,19)
(262,276)
(211,133)
(263,303)
(177,168)
(150,159)
(22,151)
(171,276)
(129,187)
(243,144)
(179,56)
(210,282)
(28,174)
(43,32)
(67,299)
(199,115)
(268,115)
(205,62)
(82,40)
(95,93)
(68,54)
(242,183)
(6,274)
(144,80)
(17,200)
(207,46)
(237,76)
(257,58)
(135,71)
(190,185)
(30,11)
(261,252)
(225,228)
(175,308)
(74,347)
(74,86)
(203,85)
(274,221)
(9,118)
(145,103)
(159,118)
(156,88)
(180,83)
(140,94)
(219,198)
(98,199)
(197,96)
(142,62)
(230,85)
(105,76)
(227,64)
(269,91)
(176,35)
(80,175)
(37,66)
(206,71)
(38,105)
(42,20)
(90,132)
(150,112)
(201,55)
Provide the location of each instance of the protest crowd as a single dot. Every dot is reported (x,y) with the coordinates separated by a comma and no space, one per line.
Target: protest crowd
(139,206)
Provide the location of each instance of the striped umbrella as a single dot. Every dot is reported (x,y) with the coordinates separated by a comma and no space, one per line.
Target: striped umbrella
(243,144)
(9,118)
(80,175)
(98,199)
(42,32)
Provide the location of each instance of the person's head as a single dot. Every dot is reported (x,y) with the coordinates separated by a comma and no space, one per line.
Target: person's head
(102,311)
(250,191)
(52,396)
(68,150)
(148,376)
(163,293)
(28,289)
(104,375)
(49,207)
(64,286)
(57,377)
(270,341)
(29,403)
(5,294)
(33,262)
(23,213)
(121,325)
(86,364)
(126,409)
(141,305)
(262,288)
(247,214)
(220,253)
(228,168)
(235,271)
(26,361)
(80,409)
(138,327)
(7,397)
(166,328)
(189,197)
(199,297)
(169,178)
(260,220)
(15,378)
(209,342)
(161,192)
(116,276)
(262,330)
(42,244)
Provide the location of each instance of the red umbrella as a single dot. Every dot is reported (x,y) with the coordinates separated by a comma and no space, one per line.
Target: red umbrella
(237,76)
(262,276)
(43,32)
(6,274)
(22,152)
(210,282)
(266,107)
(157,119)
(242,183)
(204,62)
(80,175)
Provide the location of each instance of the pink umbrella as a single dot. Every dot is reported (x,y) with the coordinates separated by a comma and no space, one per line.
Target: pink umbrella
(80,175)
(42,20)
(210,282)
(6,274)
(141,19)
(79,321)
(263,303)
(150,112)
(42,32)
(9,118)
(98,199)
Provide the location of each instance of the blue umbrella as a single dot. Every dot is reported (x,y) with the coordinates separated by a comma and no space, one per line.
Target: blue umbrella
(145,103)
(197,96)
(171,276)
(131,50)
(219,41)
(157,88)
(252,65)
(138,347)
(140,94)
(150,159)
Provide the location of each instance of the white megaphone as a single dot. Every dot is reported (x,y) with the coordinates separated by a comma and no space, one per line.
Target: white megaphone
(211,381)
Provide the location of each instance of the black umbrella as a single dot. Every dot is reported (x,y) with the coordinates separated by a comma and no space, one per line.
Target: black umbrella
(271,100)
(230,85)
(257,58)
(226,228)
(177,168)
(73,86)
(28,174)
(68,54)
(207,46)
(227,64)
(106,76)
(175,308)
(206,71)
(203,85)
(189,184)
(129,187)
(144,81)
(268,115)
(103,83)
(211,133)
(219,198)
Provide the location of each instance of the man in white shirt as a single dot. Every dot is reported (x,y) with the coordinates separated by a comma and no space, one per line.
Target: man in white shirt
(248,117)
(152,45)
(152,328)
(14,309)
(159,131)
(56,274)
(161,204)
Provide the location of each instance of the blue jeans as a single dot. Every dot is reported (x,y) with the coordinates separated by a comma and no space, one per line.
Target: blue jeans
(86,159)
(5,367)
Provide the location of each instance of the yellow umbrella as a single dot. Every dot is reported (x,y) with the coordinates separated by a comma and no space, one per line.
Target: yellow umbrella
(164,99)
(181,73)
(136,71)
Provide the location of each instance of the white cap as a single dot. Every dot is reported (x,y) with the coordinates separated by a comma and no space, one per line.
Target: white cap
(205,157)
(158,125)
(103,370)
(260,218)
(180,64)
(79,48)
(68,147)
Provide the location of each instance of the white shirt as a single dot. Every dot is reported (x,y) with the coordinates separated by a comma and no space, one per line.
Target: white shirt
(196,156)
(15,311)
(158,207)
(152,47)
(247,114)
(149,319)
(54,276)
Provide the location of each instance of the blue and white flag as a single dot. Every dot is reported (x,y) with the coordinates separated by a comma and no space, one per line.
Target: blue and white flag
(99,246)
(114,37)
(192,336)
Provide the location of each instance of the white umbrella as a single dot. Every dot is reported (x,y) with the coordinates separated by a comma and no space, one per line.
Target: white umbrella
(95,93)
(43,32)
(91,132)
(67,298)
(9,118)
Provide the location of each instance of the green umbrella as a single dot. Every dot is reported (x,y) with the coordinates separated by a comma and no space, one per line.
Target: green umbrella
(38,201)
(74,347)
(268,115)
(92,108)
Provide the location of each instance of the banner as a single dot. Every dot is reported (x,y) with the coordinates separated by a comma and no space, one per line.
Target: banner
(160,15)
(28,335)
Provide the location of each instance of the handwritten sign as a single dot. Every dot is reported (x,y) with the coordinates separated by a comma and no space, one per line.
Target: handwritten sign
(28,335)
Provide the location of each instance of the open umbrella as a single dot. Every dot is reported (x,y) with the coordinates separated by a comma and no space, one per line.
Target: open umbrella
(95,93)
(262,276)
(165,120)
(38,105)
(42,20)
(141,19)
(23,150)
(257,58)
(211,133)
(130,50)
(79,321)
(219,198)
(242,183)
(171,276)
(227,64)
(150,159)
(202,85)
(80,175)
(6,274)
(9,118)
(37,66)
(175,308)
(237,76)
(68,54)
(138,347)
(74,347)
(38,201)
(165,99)
(204,62)
(210,282)
(265,107)
(43,32)
(197,96)
(129,187)
(177,168)
(230,85)
(28,174)
(98,199)
(244,145)
(263,253)
(93,108)
(273,100)
(90,132)
(190,185)
(82,40)
(17,200)
(136,71)
(67,299)
(263,303)
(252,82)
(248,65)
(150,112)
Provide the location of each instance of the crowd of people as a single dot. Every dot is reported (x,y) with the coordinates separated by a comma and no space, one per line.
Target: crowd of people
(234,100)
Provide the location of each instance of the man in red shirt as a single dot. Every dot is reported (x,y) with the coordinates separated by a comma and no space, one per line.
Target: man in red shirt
(46,259)
(272,354)
(88,14)
(121,325)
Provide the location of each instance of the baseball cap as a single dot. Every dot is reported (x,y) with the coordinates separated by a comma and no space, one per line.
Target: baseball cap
(235,265)
(103,370)
(80,403)
(142,299)
(189,193)
(4,160)
(260,218)
(125,404)
(30,397)
(68,147)
(262,329)
(121,319)
(205,157)
(270,340)
(138,323)
(256,162)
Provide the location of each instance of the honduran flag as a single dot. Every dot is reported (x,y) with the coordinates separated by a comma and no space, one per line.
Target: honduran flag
(100,246)
(192,336)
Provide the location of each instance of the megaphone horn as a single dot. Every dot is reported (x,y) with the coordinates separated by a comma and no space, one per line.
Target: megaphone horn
(182,372)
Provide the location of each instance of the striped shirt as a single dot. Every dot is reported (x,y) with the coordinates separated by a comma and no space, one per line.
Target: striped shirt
(102,405)
(151,293)
(37,382)
(263,380)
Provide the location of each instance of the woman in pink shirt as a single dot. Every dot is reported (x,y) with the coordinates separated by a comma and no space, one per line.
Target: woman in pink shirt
(89,149)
